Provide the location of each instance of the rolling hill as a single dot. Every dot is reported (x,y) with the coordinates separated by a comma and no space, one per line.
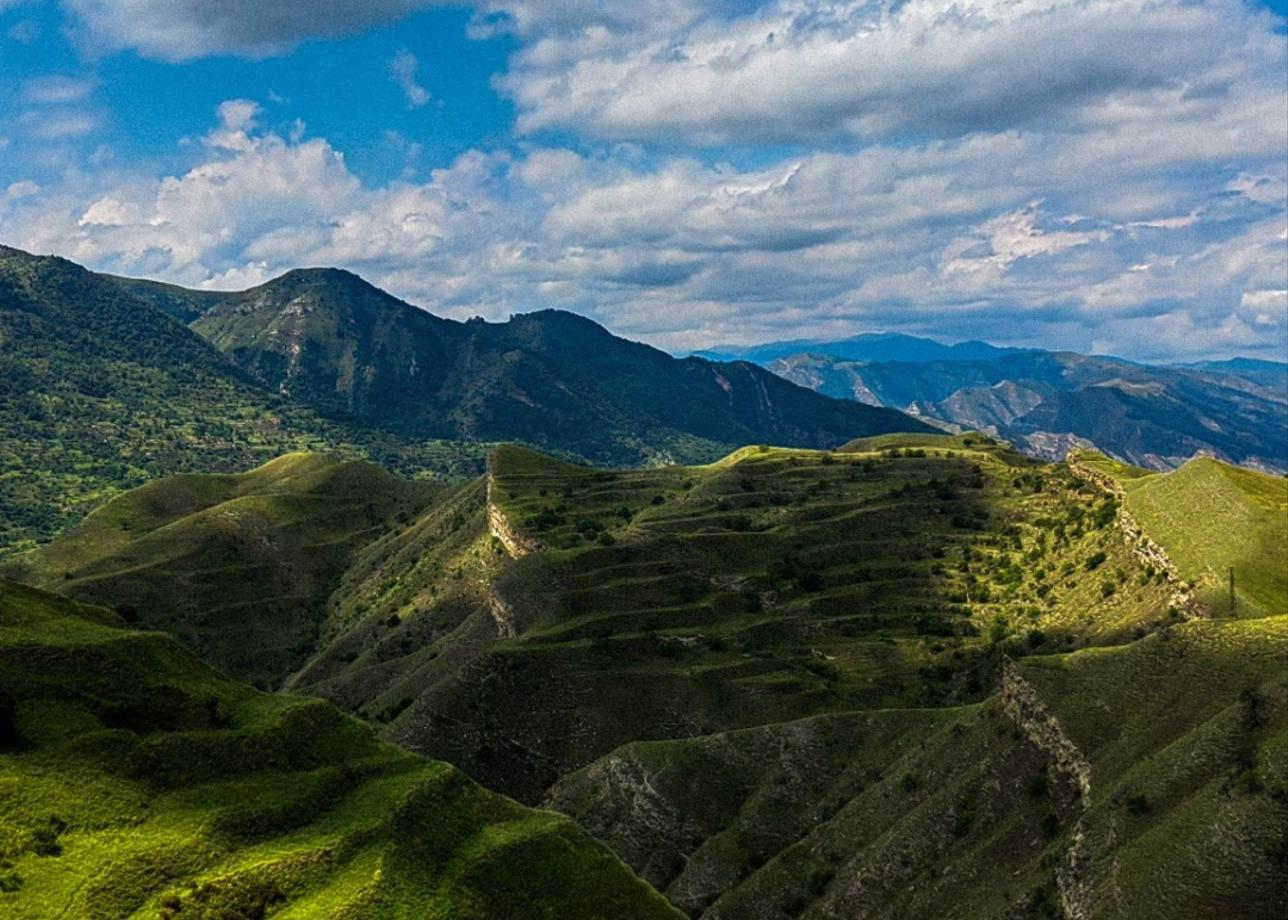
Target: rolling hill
(137,782)
(236,565)
(919,675)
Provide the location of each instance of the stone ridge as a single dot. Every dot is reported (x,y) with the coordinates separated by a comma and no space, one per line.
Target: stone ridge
(1146,551)
(499,526)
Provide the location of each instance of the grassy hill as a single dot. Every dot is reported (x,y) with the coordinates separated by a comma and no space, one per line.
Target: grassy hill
(100,391)
(916,676)
(236,565)
(773,585)
(137,782)
(960,812)
(1211,517)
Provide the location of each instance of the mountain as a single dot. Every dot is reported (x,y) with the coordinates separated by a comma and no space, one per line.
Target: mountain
(137,782)
(326,338)
(1273,375)
(869,346)
(104,386)
(920,675)
(101,391)
(1047,402)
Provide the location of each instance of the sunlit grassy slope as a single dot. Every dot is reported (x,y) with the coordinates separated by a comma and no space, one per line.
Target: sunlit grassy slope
(238,566)
(1211,517)
(773,585)
(137,782)
(771,683)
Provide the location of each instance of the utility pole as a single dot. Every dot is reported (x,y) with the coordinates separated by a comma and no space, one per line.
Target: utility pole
(1234,604)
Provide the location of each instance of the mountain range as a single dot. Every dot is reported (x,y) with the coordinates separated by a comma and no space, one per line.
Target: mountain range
(1046,402)
(108,382)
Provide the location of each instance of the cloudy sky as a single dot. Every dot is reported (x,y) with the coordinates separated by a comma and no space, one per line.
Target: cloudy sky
(1107,175)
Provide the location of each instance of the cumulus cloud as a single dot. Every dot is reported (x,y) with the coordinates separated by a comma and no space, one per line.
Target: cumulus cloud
(1093,173)
(934,239)
(402,69)
(180,30)
(794,69)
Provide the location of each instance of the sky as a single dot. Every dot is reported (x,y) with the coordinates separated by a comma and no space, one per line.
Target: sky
(1105,176)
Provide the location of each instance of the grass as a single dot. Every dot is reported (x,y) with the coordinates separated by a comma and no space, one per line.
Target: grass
(769,683)
(1211,517)
(772,585)
(136,781)
(236,565)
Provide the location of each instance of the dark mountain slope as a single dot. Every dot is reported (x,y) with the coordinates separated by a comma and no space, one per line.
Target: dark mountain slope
(100,391)
(328,339)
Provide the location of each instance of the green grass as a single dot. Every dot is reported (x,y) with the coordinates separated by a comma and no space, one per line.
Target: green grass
(136,781)
(1211,517)
(769,682)
(237,565)
(773,585)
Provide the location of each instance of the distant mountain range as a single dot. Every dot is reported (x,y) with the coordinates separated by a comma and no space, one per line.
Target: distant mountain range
(107,382)
(1046,402)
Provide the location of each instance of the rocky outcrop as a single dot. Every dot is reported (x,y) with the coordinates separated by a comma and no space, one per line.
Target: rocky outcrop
(1021,703)
(499,526)
(501,615)
(1147,552)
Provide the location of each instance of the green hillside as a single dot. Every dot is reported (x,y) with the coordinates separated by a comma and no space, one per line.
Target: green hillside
(1211,517)
(916,676)
(137,782)
(773,585)
(100,391)
(238,566)
(958,812)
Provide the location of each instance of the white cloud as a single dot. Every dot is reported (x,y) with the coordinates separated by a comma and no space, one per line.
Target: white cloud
(402,69)
(180,30)
(56,89)
(795,69)
(21,189)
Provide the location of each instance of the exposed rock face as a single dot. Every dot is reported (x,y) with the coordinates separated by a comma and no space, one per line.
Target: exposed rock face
(1021,703)
(499,526)
(501,615)
(1146,551)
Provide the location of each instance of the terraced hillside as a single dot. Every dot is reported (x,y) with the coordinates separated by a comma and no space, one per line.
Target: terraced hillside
(1146,781)
(238,566)
(919,675)
(137,782)
(1210,518)
(773,585)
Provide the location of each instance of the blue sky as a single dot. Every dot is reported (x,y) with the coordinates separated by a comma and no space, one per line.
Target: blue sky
(1104,175)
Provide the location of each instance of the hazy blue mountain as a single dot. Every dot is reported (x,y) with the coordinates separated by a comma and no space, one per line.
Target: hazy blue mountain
(1046,402)
(869,346)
